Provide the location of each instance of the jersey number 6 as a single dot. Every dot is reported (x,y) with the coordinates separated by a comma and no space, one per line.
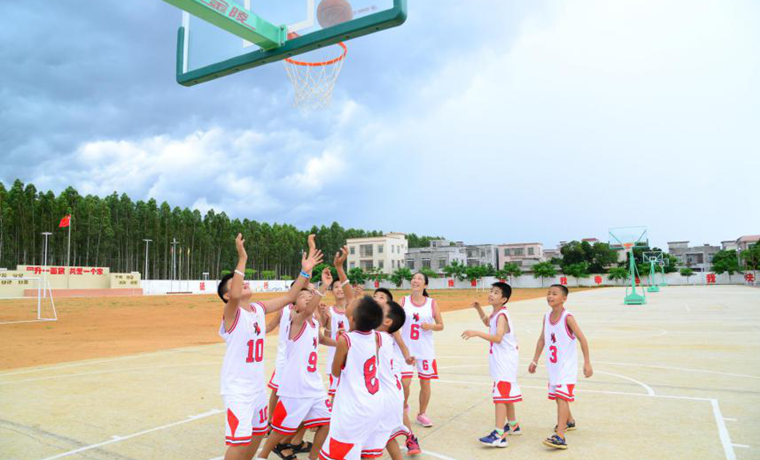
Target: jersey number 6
(415,333)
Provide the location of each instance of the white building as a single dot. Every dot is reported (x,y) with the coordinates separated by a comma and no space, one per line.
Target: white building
(439,254)
(386,253)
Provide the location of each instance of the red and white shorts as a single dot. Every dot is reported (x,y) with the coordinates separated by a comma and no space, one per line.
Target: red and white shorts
(291,412)
(427,369)
(374,446)
(562,391)
(246,417)
(333,385)
(506,392)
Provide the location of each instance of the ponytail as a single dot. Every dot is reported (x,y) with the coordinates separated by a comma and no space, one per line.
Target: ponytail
(424,293)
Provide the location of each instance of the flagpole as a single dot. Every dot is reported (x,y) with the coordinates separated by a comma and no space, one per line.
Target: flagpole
(68,249)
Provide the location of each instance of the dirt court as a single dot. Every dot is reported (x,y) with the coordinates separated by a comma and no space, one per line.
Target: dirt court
(118,326)
(677,378)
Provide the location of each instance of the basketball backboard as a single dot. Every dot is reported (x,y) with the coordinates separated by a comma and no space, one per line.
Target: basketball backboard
(206,51)
(628,238)
(656,257)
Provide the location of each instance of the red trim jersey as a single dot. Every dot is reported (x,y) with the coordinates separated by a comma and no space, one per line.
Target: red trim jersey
(299,378)
(243,367)
(390,381)
(562,353)
(284,333)
(338,322)
(503,358)
(419,341)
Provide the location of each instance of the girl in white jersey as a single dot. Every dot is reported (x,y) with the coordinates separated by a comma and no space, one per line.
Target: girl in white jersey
(423,318)
(503,359)
(559,334)
(243,328)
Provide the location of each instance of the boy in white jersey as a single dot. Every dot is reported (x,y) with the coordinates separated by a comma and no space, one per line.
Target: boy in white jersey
(301,394)
(558,336)
(503,359)
(335,322)
(244,329)
(359,401)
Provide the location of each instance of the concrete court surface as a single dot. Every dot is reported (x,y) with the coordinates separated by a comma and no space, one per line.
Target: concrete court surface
(677,378)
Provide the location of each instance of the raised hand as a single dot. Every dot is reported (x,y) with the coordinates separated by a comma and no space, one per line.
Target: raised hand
(340,257)
(240,245)
(476,305)
(327,277)
(308,262)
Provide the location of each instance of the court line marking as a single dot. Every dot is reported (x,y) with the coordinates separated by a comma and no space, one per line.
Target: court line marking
(133,435)
(744,446)
(646,387)
(109,371)
(729,419)
(730,374)
(725,437)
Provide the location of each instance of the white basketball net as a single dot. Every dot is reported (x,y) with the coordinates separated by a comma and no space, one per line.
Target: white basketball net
(313,82)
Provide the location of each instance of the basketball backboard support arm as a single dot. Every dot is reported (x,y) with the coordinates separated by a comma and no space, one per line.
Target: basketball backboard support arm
(374,22)
(236,20)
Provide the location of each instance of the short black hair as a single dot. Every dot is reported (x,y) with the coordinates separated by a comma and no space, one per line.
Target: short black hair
(368,315)
(397,315)
(336,280)
(222,288)
(562,288)
(386,292)
(506,289)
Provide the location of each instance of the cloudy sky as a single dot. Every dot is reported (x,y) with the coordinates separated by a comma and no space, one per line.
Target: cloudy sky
(482,121)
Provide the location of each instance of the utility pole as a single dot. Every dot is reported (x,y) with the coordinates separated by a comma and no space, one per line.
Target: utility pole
(174,261)
(147,243)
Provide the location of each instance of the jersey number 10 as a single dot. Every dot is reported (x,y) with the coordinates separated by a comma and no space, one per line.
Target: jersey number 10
(255,351)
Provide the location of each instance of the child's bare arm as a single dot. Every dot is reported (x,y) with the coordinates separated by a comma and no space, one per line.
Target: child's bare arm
(501,329)
(404,349)
(272,325)
(236,285)
(327,340)
(481,313)
(341,351)
(573,325)
(438,326)
(340,259)
(308,262)
(539,349)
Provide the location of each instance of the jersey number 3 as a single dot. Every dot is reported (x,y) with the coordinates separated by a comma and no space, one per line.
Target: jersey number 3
(370,376)
(552,354)
(255,351)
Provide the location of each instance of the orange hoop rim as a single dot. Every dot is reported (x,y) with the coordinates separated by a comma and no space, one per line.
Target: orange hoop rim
(321,64)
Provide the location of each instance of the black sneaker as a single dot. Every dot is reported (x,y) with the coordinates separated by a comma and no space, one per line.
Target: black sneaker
(569,427)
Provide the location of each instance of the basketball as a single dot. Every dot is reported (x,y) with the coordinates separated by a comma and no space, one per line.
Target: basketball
(334,12)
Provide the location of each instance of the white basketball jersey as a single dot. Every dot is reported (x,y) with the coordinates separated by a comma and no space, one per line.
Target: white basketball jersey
(562,353)
(284,333)
(300,378)
(503,358)
(243,367)
(398,357)
(360,394)
(419,341)
(393,391)
(338,322)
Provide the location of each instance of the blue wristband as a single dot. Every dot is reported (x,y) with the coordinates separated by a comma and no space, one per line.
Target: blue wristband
(305,275)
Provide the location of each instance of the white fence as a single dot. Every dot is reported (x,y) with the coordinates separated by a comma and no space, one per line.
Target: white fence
(161,287)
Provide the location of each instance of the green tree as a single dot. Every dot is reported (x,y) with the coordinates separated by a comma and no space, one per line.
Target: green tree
(509,271)
(751,257)
(250,273)
(268,274)
(687,273)
(316,273)
(476,272)
(415,241)
(376,274)
(429,272)
(286,277)
(618,273)
(401,274)
(578,270)
(455,270)
(357,276)
(544,270)
(726,262)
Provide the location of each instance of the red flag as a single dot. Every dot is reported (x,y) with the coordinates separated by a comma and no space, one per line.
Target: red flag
(65,222)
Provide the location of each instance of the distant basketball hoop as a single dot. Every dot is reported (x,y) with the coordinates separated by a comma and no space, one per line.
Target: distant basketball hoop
(313,82)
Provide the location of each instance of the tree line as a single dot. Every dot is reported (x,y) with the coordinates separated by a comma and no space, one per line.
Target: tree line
(110,232)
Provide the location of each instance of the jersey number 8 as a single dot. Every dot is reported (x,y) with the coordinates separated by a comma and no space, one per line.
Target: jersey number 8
(370,376)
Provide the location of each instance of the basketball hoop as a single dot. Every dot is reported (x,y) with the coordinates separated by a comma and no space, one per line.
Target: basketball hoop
(627,246)
(313,82)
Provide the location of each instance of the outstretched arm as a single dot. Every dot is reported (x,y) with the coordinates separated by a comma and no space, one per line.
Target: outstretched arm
(501,329)
(481,313)
(340,259)
(539,348)
(236,285)
(308,262)
(341,351)
(404,349)
(573,325)
(327,340)
(275,321)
